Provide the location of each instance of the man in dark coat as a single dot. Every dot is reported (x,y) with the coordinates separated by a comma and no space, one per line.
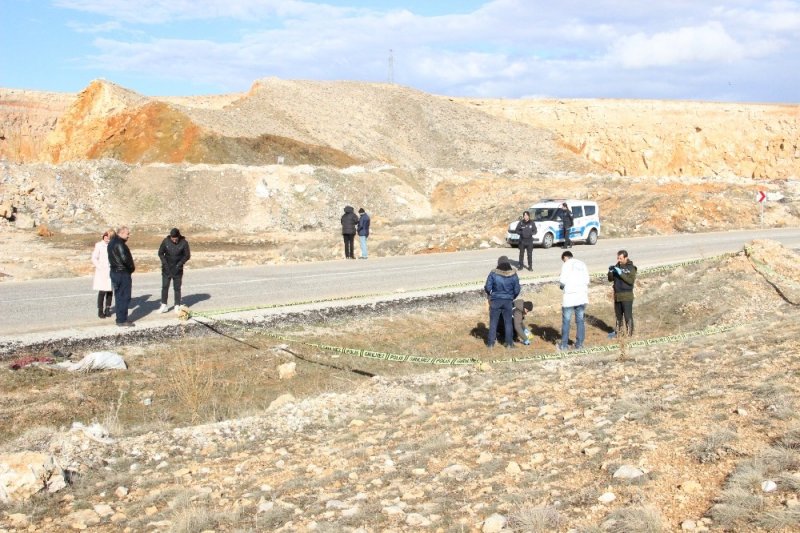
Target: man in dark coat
(363,231)
(173,252)
(623,276)
(121,266)
(349,223)
(526,229)
(566,220)
(502,287)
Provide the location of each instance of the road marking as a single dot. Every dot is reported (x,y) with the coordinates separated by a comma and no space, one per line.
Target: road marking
(153,287)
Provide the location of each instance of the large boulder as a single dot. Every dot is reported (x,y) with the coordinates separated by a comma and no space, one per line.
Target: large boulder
(23,474)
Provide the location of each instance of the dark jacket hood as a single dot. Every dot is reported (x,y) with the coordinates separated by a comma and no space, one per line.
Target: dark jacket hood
(506,273)
(349,209)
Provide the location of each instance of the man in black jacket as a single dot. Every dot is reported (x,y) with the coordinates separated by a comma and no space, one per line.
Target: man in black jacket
(349,224)
(526,229)
(120,262)
(173,252)
(566,220)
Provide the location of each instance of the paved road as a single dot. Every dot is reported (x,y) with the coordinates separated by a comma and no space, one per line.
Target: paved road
(58,304)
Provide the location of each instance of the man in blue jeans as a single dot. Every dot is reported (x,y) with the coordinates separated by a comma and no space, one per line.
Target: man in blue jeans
(120,262)
(363,231)
(574,282)
(502,287)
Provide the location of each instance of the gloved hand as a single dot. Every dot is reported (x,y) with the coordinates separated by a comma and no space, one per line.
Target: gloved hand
(526,332)
(526,342)
(561,286)
(617,271)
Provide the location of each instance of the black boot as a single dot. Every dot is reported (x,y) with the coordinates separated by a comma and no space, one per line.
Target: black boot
(100,313)
(108,311)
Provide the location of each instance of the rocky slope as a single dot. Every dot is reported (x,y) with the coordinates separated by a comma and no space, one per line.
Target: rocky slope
(662,138)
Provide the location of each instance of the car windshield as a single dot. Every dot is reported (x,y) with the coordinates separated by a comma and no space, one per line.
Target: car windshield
(541,214)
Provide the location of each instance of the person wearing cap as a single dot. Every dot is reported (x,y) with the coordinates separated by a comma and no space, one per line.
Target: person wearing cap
(566,220)
(363,231)
(102,274)
(526,229)
(502,287)
(173,252)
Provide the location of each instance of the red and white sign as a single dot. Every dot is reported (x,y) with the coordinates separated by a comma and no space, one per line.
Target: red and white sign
(761,196)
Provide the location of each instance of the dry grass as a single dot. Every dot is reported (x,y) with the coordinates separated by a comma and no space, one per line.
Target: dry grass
(744,504)
(713,446)
(193,382)
(645,519)
(535,519)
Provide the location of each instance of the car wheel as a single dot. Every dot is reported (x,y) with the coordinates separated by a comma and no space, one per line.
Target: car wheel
(514,244)
(592,237)
(547,241)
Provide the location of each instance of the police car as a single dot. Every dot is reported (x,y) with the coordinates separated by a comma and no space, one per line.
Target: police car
(550,231)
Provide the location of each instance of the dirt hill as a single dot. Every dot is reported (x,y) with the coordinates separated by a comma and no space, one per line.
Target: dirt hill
(341,122)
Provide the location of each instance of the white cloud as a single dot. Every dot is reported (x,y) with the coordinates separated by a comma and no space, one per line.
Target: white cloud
(160,12)
(706,43)
(504,48)
(104,27)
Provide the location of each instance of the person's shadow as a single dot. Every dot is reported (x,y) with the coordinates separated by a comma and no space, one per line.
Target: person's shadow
(546,333)
(598,323)
(480,331)
(142,305)
(191,299)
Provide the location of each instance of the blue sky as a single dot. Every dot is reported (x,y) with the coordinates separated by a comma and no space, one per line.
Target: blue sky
(737,50)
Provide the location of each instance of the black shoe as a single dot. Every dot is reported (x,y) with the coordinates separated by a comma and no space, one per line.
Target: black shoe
(125,324)
(510,346)
(107,311)
(530,269)
(100,314)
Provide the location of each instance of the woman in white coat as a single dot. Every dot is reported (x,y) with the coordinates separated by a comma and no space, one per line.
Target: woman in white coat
(102,276)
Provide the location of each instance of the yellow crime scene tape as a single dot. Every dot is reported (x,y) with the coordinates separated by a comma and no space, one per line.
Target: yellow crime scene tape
(452,361)
(534,280)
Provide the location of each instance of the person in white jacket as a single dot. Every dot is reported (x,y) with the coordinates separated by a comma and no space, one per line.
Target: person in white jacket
(574,282)
(102,277)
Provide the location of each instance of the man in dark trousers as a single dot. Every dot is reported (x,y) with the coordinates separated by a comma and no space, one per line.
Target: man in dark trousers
(566,220)
(502,287)
(526,229)
(173,252)
(623,276)
(363,231)
(121,266)
(349,224)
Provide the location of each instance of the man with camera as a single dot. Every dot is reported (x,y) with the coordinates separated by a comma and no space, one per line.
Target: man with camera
(623,275)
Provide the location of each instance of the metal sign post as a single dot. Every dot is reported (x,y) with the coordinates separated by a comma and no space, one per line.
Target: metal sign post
(761,198)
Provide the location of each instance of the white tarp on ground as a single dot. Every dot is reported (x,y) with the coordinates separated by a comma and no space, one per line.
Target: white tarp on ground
(95,361)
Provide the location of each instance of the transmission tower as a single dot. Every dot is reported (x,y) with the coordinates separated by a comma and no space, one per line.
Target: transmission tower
(391,66)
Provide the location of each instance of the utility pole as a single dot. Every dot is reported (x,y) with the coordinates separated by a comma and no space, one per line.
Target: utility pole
(391,66)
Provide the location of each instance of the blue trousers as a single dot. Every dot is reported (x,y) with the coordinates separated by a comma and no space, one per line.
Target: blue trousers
(363,240)
(122,285)
(566,318)
(504,308)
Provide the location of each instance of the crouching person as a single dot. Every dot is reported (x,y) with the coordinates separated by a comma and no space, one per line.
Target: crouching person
(522,308)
